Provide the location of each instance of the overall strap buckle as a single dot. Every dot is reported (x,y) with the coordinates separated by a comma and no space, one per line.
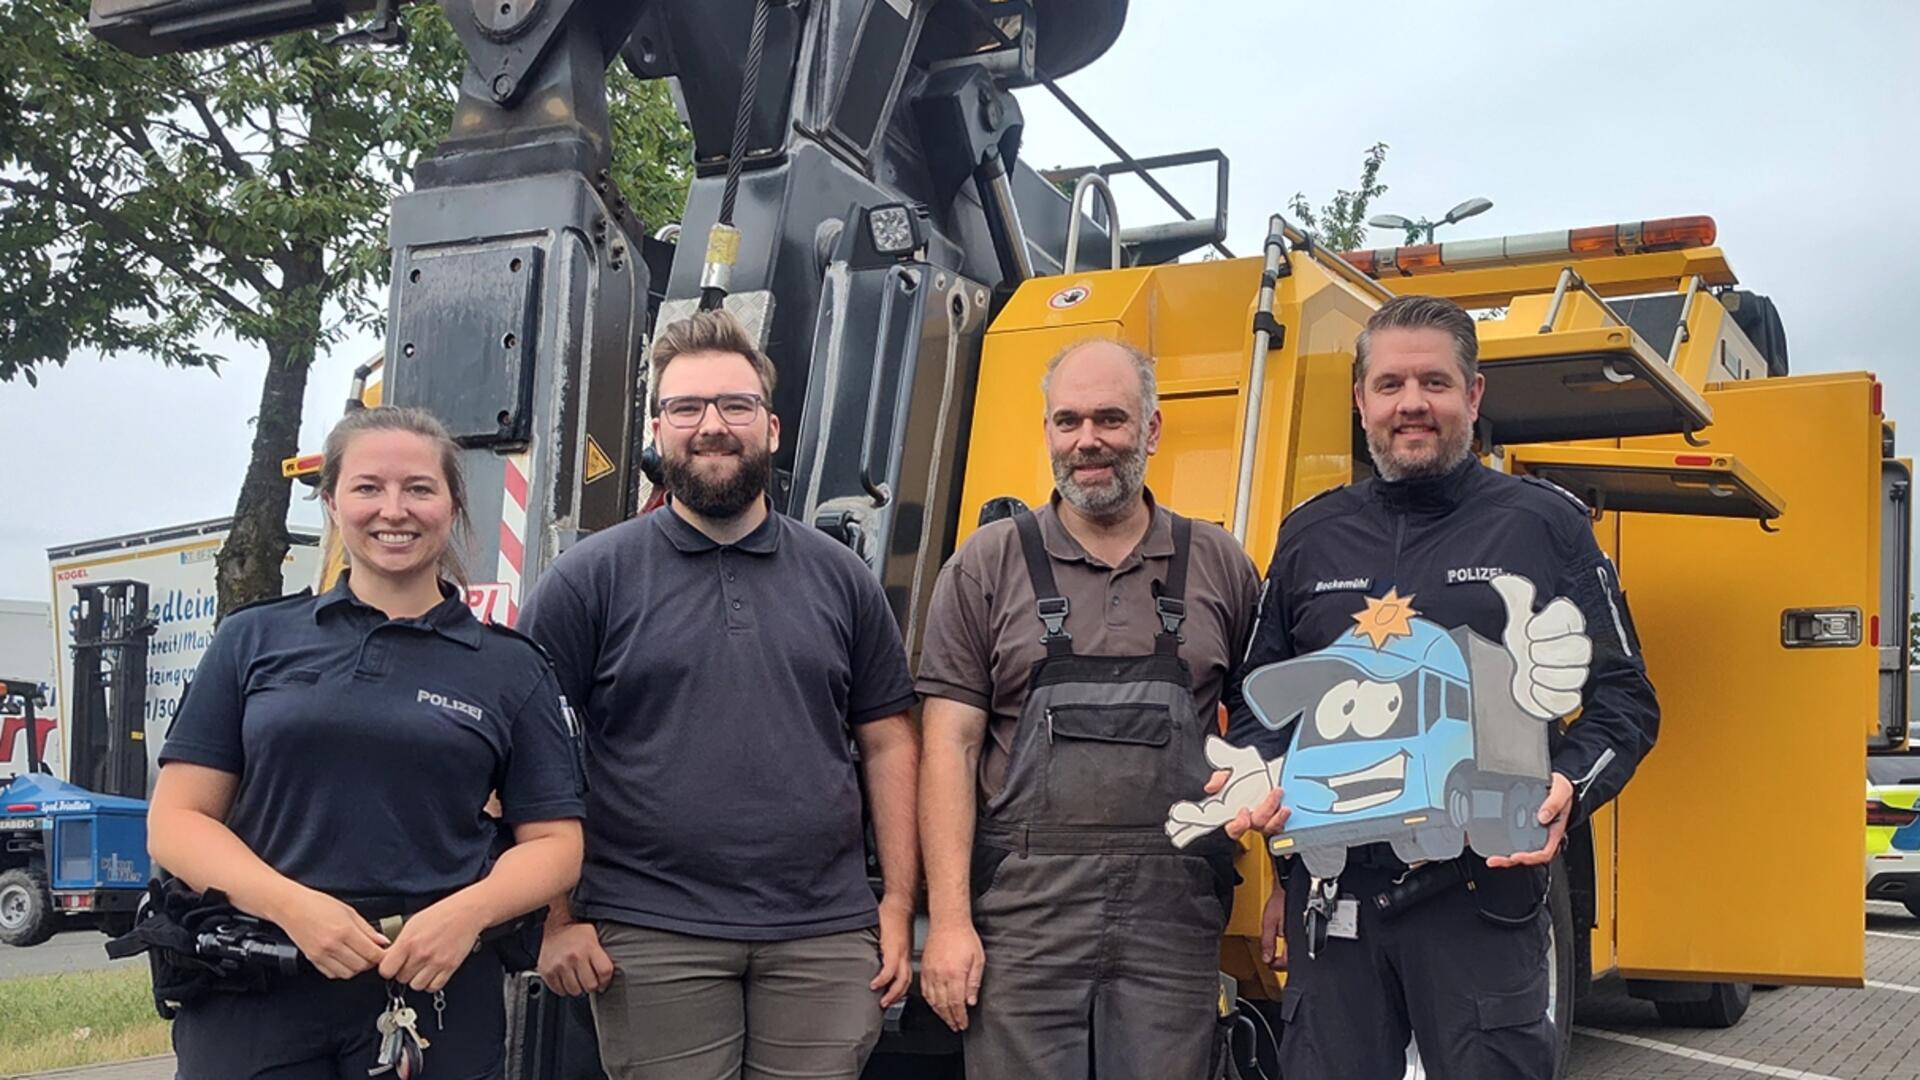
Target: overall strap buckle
(1048,603)
(1169,599)
(1053,614)
(1173,613)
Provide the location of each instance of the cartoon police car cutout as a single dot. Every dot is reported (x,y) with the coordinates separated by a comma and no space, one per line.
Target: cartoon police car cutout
(1408,733)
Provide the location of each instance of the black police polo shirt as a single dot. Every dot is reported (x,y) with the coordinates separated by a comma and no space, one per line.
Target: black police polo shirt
(366,747)
(715,684)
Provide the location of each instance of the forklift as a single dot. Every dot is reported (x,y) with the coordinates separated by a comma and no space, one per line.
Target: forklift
(75,853)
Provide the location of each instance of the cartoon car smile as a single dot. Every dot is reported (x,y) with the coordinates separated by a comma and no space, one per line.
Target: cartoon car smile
(1367,788)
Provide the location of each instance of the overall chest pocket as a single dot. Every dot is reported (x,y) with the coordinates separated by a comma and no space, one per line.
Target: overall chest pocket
(1144,724)
(1111,764)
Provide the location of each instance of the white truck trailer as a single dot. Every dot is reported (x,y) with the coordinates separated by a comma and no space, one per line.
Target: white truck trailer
(177,565)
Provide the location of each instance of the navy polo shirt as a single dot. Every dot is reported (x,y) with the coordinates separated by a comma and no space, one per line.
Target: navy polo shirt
(715,685)
(366,747)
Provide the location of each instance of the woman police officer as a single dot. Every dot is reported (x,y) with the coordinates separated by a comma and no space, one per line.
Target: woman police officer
(331,765)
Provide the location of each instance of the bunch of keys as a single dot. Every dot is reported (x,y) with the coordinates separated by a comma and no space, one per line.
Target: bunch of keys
(1322,896)
(402,1047)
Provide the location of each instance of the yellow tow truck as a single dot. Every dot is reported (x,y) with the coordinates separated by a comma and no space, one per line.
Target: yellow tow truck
(1744,506)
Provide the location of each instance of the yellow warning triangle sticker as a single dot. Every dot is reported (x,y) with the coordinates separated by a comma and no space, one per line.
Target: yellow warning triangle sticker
(598,464)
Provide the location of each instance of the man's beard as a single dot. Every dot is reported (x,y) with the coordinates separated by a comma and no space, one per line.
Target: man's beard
(1109,501)
(724,497)
(1450,449)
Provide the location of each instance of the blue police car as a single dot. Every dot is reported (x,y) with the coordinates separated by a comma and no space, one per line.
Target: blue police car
(1415,742)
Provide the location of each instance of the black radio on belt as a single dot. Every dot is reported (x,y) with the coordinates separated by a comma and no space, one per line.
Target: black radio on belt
(1416,886)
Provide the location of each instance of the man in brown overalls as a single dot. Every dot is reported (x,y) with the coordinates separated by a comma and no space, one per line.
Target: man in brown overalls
(1072,668)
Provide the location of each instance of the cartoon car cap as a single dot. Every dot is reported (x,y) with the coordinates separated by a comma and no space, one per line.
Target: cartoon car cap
(1279,692)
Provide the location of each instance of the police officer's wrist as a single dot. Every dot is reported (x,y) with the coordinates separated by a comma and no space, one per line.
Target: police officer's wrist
(280,900)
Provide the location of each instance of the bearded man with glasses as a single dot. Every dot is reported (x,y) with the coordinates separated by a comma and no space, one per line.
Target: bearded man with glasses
(717,652)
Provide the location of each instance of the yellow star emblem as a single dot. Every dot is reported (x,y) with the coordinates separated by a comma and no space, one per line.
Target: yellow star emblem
(1385,618)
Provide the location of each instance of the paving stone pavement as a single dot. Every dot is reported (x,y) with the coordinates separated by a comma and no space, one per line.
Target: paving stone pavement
(1795,1033)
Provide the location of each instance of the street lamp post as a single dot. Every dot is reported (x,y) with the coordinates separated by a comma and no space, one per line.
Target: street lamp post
(1465,210)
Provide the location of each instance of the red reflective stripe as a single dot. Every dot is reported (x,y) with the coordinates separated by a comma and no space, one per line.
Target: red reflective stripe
(510,548)
(516,485)
(1692,459)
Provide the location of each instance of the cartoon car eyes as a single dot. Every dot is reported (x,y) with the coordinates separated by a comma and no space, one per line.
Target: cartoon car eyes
(1366,709)
(1376,717)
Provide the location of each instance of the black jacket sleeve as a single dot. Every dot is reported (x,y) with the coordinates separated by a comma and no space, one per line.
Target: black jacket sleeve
(1618,710)
(1270,642)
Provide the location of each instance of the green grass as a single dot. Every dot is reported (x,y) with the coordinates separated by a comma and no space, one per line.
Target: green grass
(78,1018)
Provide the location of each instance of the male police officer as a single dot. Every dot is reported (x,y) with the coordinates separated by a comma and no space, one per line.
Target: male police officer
(1462,972)
(718,652)
(1084,648)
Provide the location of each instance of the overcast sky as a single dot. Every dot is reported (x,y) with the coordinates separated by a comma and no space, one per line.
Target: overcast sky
(1793,124)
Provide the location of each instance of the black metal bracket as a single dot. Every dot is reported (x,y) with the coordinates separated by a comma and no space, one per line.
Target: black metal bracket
(384,29)
(965,119)
(1596,503)
(507,40)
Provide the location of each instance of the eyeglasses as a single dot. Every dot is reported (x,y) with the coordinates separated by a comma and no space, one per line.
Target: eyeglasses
(687,410)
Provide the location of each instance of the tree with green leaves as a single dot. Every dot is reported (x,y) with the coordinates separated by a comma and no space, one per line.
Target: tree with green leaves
(154,207)
(1341,223)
